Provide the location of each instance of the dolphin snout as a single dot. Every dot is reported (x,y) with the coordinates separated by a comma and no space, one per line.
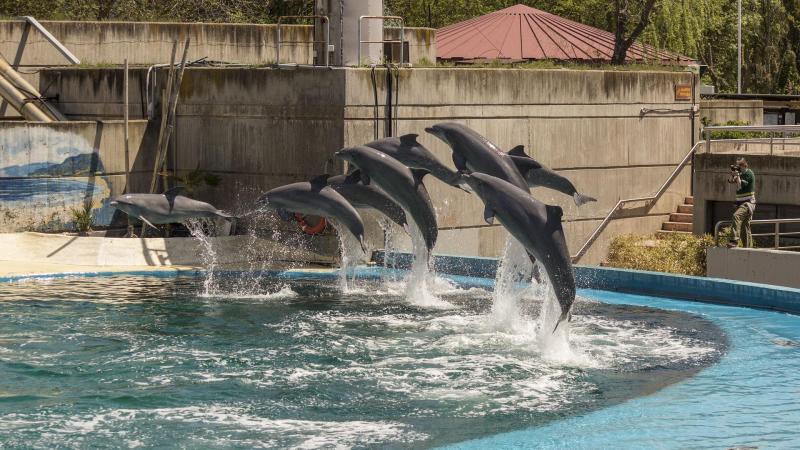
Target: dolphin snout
(114,204)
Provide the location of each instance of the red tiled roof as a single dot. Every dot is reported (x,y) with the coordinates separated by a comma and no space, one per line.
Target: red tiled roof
(524,33)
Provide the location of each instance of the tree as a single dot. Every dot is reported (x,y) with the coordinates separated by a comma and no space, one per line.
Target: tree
(622,39)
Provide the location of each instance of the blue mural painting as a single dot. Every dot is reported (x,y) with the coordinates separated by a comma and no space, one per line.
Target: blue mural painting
(45,175)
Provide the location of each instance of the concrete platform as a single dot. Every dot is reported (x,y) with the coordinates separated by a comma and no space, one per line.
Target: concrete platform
(39,253)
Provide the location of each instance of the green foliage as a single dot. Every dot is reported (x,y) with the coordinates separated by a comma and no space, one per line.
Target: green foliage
(677,253)
(735,134)
(82,217)
(197,178)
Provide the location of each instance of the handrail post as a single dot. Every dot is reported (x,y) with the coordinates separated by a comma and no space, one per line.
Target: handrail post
(777,235)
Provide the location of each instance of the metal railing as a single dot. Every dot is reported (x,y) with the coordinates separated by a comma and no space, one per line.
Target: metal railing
(652,199)
(783,129)
(776,232)
(383,41)
(52,39)
(326,41)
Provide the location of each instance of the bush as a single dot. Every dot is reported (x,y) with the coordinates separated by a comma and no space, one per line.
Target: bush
(82,217)
(677,253)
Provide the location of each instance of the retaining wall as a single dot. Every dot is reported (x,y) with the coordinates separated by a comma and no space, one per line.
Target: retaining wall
(259,128)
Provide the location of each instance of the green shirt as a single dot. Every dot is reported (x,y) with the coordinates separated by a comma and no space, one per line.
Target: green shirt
(747,193)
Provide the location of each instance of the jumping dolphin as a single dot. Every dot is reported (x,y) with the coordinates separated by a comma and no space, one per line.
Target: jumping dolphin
(538,174)
(536,225)
(474,153)
(168,207)
(402,184)
(408,151)
(362,196)
(315,198)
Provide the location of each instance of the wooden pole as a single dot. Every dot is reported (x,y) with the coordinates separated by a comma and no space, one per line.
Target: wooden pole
(126,104)
(173,104)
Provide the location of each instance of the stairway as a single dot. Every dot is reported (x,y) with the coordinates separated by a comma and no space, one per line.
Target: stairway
(680,222)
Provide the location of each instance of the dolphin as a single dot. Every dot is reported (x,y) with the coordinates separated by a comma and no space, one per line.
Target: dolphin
(538,174)
(402,184)
(474,153)
(315,198)
(535,225)
(408,151)
(168,207)
(363,196)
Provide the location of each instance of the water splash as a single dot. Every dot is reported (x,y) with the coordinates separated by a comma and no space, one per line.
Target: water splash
(390,251)
(512,283)
(519,279)
(421,279)
(201,229)
(351,253)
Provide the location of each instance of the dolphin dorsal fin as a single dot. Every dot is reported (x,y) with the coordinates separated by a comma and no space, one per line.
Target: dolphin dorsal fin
(319,181)
(409,140)
(177,190)
(419,174)
(518,151)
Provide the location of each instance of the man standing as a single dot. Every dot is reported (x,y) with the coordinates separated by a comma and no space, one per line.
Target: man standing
(745,181)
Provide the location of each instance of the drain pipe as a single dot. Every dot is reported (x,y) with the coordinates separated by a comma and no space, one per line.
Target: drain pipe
(26,88)
(21,102)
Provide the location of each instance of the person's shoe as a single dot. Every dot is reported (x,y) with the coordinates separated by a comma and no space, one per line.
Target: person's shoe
(732,245)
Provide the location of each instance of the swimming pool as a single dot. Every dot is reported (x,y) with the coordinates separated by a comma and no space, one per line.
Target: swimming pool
(152,362)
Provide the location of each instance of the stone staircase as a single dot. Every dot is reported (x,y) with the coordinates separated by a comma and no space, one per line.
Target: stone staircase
(680,222)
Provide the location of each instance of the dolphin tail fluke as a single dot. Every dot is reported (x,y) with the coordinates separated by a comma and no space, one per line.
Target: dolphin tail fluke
(564,318)
(581,199)
(363,245)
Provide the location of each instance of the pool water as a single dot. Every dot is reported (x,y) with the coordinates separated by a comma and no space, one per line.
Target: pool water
(133,361)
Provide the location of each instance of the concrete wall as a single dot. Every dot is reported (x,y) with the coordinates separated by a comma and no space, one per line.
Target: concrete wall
(585,124)
(777,183)
(47,170)
(722,111)
(145,43)
(756,266)
(259,128)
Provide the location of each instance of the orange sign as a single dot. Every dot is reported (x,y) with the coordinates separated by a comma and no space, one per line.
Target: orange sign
(683,92)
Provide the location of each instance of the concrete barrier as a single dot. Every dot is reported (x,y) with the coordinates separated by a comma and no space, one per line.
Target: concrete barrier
(755,265)
(709,290)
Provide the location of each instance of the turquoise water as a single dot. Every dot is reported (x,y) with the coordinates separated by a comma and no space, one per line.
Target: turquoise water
(134,361)
(750,399)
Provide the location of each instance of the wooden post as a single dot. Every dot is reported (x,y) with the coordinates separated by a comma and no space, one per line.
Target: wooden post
(173,104)
(126,104)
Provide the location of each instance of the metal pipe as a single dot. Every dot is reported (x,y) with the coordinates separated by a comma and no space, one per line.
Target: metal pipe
(21,103)
(52,39)
(739,53)
(22,84)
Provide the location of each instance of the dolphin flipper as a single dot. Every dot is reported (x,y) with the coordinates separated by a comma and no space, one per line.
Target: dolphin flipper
(148,222)
(581,199)
(488,215)
(419,174)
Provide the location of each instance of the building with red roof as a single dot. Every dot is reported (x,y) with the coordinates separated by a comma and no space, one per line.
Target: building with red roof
(521,33)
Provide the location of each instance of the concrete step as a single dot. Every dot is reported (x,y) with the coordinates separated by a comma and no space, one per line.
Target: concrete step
(689,200)
(681,217)
(665,233)
(686,209)
(677,226)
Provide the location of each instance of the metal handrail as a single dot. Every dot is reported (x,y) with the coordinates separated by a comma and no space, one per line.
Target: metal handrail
(327,40)
(52,39)
(776,232)
(383,41)
(747,128)
(652,199)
